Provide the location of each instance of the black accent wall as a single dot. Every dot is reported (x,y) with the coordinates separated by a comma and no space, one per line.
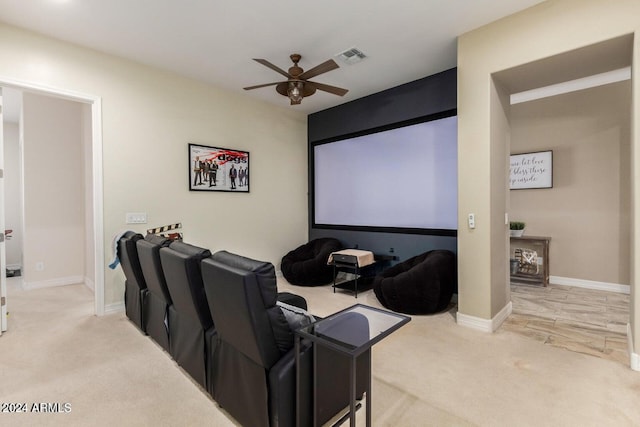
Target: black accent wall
(425,97)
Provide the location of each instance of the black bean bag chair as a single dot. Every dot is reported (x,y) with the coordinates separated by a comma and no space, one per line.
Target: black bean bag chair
(307,264)
(423,284)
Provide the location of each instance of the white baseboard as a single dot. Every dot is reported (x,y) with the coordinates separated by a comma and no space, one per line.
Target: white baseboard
(116,307)
(590,284)
(635,361)
(89,284)
(634,358)
(61,281)
(485,325)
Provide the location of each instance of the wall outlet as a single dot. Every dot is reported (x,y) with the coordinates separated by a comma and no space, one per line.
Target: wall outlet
(39,266)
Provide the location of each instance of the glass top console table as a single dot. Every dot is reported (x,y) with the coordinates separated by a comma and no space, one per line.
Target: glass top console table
(352,331)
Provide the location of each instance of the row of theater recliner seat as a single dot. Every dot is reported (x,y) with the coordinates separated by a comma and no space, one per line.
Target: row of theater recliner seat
(219,318)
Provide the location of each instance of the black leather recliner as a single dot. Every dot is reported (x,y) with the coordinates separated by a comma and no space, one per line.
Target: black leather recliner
(158,301)
(135,287)
(191,329)
(254,374)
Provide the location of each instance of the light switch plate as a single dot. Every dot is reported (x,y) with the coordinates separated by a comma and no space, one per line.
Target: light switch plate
(136,218)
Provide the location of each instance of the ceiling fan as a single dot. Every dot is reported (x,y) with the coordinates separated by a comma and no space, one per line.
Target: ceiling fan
(297,85)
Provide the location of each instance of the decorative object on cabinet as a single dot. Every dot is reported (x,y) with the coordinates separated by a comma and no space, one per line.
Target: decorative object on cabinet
(517,228)
(532,253)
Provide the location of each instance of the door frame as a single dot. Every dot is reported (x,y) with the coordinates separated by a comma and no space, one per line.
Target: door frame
(3,246)
(96,173)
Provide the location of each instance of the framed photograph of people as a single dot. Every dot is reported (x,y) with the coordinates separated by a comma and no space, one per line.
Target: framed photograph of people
(218,169)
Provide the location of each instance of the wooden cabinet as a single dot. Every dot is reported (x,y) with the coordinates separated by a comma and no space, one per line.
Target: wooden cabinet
(527,273)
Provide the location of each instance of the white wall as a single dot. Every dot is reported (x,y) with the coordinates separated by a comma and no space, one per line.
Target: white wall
(13,193)
(148,118)
(53,191)
(554,27)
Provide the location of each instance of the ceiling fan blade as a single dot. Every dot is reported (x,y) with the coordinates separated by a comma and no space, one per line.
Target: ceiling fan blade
(331,89)
(273,67)
(319,69)
(259,86)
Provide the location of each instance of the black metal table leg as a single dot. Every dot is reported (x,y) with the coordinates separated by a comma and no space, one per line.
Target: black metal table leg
(369,404)
(334,277)
(315,385)
(352,384)
(356,281)
(297,351)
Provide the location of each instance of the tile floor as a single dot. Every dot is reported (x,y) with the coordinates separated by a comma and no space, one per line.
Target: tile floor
(582,320)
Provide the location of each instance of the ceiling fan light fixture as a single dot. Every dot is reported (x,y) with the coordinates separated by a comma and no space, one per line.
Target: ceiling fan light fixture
(295,91)
(298,85)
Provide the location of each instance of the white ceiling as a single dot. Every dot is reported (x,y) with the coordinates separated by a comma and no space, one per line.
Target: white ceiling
(214,40)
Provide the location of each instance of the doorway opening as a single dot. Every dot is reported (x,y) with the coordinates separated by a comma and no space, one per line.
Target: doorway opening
(587,212)
(69,176)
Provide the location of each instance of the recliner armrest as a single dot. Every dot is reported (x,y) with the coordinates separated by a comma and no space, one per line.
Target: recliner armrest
(292,299)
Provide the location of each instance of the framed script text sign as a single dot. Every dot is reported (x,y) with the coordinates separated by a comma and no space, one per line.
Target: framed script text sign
(531,170)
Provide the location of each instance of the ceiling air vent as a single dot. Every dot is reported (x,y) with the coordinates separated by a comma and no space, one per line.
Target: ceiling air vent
(351,56)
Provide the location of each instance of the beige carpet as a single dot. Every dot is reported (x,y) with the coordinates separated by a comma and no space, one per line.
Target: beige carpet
(429,373)
(112,375)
